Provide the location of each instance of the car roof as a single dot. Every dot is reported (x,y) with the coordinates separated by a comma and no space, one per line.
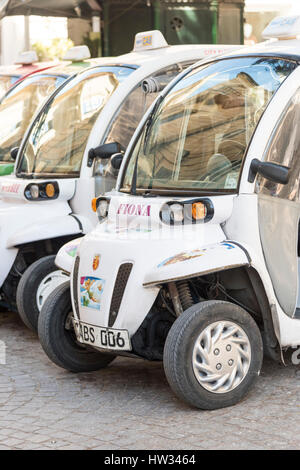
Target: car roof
(132,59)
(289,49)
(20,70)
(71,68)
(137,60)
(179,53)
(150,61)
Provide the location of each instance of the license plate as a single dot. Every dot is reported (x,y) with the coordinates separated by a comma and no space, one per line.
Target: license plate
(105,338)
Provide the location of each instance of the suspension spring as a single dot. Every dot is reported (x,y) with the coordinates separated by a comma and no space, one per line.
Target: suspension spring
(185,295)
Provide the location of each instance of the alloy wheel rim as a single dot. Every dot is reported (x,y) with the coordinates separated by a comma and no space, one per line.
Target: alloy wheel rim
(221,357)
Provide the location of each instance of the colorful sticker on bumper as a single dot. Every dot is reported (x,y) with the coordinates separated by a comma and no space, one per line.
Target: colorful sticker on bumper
(72,250)
(91,289)
(187,255)
(96,262)
(184,256)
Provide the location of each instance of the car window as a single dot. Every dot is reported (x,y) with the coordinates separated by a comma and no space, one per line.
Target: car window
(284,149)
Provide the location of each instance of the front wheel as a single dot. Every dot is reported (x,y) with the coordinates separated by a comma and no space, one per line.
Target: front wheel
(213,355)
(58,338)
(38,281)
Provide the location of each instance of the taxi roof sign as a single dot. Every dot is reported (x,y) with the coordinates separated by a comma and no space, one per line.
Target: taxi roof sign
(77,54)
(148,40)
(283,27)
(27,58)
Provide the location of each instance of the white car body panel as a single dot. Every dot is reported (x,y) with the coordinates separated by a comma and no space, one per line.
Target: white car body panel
(145,242)
(65,256)
(204,260)
(20,218)
(51,227)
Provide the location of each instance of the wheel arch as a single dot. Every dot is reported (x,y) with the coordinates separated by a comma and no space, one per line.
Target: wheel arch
(245,287)
(28,253)
(52,228)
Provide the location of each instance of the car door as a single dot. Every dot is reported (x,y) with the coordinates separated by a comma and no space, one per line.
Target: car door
(279,207)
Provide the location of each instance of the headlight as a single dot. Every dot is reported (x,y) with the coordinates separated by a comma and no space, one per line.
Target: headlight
(34,191)
(191,211)
(177,213)
(42,191)
(101,206)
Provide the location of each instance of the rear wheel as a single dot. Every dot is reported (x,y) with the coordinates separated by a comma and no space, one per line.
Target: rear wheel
(58,338)
(213,355)
(38,281)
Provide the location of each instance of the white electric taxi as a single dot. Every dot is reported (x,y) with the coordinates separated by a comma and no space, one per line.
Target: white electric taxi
(194,260)
(19,105)
(26,64)
(63,162)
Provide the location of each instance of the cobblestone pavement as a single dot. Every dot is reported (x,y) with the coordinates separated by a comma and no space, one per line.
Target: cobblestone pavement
(130,406)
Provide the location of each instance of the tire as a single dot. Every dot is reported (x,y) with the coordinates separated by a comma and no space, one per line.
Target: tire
(60,343)
(38,274)
(192,372)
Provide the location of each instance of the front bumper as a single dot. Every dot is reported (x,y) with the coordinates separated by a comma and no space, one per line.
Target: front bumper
(110,270)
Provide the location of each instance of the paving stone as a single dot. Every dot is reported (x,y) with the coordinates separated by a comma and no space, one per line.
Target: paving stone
(129,405)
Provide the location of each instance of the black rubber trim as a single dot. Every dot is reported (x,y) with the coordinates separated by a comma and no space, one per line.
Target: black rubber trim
(242,248)
(78,221)
(75,286)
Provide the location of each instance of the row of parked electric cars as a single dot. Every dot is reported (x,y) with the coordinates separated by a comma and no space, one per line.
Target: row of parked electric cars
(153,209)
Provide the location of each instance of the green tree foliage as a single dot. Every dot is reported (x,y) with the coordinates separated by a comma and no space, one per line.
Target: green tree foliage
(56,49)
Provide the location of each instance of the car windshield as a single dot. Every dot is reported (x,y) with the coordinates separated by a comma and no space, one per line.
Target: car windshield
(18,108)
(6,81)
(56,143)
(196,138)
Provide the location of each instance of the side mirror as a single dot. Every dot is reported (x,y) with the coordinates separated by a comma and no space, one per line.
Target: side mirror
(116,161)
(103,151)
(270,171)
(14,153)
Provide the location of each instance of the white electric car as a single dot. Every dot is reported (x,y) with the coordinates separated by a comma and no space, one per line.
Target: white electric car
(64,157)
(19,105)
(26,64)
(195,258)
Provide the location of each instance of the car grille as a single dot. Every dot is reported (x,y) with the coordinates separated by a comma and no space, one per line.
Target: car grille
(119,289)
(75,285)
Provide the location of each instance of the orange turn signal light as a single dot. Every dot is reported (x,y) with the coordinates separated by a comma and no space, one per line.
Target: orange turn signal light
(50,190)
(199,211)
(94,204)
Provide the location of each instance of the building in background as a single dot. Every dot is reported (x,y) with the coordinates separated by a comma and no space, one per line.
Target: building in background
(181,21)
(108,26)
(19,33)
(117,21)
